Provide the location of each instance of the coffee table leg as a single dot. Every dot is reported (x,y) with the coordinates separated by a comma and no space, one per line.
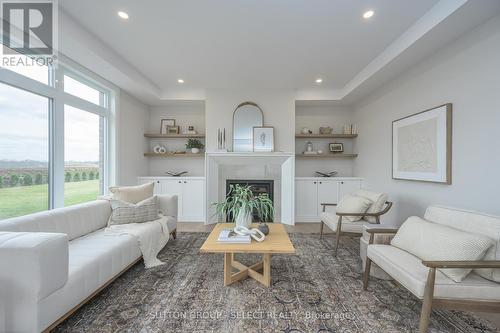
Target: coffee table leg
(228,259)
(266,271)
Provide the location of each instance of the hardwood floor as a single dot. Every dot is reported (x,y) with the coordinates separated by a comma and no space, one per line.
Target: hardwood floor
(305,228)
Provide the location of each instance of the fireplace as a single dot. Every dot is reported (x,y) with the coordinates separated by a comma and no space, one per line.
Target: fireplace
(257,187)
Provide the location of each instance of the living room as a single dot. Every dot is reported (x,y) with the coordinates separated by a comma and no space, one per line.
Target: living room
(233,166)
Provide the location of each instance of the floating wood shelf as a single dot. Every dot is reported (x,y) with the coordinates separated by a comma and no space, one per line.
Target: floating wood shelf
(173,136)
(327,156)
(326,136)
(168,155)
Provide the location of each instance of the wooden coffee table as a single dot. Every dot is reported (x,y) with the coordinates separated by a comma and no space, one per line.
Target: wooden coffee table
(277,242)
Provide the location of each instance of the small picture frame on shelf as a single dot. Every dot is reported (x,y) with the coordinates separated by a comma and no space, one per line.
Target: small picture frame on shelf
(263,139)
(172,130)
(165,124)
(336,147)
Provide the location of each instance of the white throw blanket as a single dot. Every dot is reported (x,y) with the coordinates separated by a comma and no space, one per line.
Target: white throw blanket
(152,237)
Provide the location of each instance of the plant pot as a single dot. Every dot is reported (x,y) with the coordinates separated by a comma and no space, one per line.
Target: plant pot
(195,150)
(244,219)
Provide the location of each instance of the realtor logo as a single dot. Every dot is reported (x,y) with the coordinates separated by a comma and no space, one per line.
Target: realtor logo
(28,27)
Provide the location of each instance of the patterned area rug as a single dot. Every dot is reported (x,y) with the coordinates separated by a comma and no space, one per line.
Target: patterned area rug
(311,292)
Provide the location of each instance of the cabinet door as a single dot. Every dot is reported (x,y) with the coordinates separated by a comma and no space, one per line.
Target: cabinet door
(193,200)
(172,187)
(306,201)
(327,193)
(348,187)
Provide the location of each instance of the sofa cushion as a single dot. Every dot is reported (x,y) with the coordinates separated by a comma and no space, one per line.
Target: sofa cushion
(409,271)
(378,200)
(125,212)
(478,223)
(133,194)
(353,204)
(94,259)
(331,220)
(75,221)
(432,241)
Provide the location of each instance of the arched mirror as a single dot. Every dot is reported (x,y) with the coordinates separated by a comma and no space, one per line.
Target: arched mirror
(245,117)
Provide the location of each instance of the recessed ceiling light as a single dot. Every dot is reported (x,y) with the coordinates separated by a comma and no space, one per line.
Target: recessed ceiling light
(319,80)
(123,15)
(368,14)
(180,81)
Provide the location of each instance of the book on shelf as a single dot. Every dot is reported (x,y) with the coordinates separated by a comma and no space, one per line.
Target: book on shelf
(229,236)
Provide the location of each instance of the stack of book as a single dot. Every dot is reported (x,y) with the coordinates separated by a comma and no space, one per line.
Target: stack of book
(229,236)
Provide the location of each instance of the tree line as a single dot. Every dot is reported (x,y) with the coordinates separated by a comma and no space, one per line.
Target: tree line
(27,179)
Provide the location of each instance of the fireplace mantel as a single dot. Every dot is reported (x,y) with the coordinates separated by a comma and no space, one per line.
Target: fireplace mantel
(284,160)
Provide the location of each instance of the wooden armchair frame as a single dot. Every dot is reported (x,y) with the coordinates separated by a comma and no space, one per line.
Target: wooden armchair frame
(338,232)
(428,301)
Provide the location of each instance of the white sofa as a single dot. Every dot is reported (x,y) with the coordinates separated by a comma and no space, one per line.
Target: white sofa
(423,278)
(52,262)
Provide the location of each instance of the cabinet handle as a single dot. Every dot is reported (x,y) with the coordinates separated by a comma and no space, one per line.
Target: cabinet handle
(157,182)
(321,182)
(185,182)
(341,182)
(314,182)
(180,182)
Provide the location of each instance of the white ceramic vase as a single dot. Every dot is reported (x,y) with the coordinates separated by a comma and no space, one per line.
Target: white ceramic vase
(195,150)
(244,219)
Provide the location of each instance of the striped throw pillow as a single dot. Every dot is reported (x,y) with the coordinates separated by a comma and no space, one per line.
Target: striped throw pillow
(125,212)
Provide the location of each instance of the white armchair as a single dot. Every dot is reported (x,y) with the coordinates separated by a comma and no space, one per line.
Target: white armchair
(341,225)
(478,291)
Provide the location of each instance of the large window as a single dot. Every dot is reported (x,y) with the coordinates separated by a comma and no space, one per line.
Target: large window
(53,138)
(82,155)
(24,152)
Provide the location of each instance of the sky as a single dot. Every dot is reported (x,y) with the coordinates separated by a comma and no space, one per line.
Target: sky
(24,125)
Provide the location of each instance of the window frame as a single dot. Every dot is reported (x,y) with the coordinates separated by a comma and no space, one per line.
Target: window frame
(54,91)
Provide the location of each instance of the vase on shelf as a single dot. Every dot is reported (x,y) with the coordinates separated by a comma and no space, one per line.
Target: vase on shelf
(195,150)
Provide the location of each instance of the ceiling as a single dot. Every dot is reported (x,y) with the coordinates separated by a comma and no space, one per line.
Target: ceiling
(256,44)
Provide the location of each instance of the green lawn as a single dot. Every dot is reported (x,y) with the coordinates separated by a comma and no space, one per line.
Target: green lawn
(22,200)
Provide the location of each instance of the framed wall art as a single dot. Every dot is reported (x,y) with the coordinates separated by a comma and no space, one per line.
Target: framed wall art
(263,138)
(421,146)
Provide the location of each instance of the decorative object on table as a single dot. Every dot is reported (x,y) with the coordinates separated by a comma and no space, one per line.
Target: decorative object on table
(246,116)
(165,124)
(326,174)
(229,236)
(263,138)
(221,140)
(264,228)
(320,151)
(195,145)
(176,173)
(190,130)
(421,146)
(325,130)
(172,129)
(240,204)
(336,147)
(306,131)
(162,150)
(309,147)
(254,233)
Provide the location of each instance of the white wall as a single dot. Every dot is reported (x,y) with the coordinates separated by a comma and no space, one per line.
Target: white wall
(467,74)
(278,107)
(314,117)
(132,122)
(184,115)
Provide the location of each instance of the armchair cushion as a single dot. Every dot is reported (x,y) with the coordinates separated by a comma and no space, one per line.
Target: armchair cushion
(332,220)
(378,200)
(409,271)
(353,204)
(432,241)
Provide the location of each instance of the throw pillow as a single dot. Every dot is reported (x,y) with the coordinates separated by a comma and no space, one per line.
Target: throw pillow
(431,241)
(353,204)
(125,212)
(132,194)
(378,200)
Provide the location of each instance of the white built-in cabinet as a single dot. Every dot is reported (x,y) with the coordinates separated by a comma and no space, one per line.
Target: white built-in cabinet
(190,192)
(310,192)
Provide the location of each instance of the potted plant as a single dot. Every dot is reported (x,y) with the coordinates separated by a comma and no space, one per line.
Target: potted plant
(195,145)
(241,203)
